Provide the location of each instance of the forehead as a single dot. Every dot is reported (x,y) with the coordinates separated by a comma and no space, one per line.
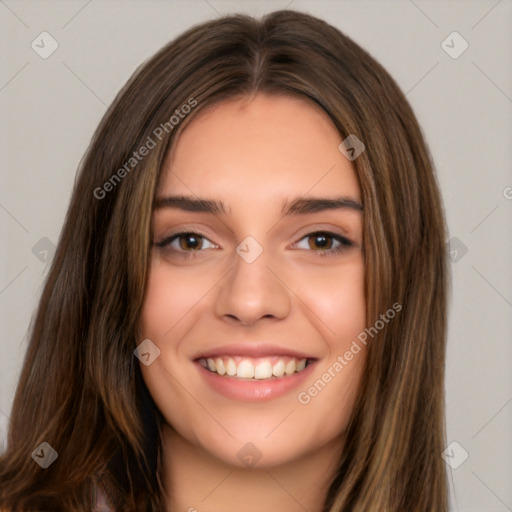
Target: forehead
(254,149)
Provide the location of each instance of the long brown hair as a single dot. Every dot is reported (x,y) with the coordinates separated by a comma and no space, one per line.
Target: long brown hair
(81,390)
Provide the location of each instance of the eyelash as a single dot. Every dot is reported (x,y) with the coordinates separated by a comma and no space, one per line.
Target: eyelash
(345,243)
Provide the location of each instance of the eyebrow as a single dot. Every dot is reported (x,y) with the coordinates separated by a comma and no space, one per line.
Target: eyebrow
(297,206)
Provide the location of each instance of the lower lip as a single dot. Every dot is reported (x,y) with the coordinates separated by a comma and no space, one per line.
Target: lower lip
(254,390)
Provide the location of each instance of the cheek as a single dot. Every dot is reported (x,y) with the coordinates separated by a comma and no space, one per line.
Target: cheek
(337,299)
(161,305)
(171,295)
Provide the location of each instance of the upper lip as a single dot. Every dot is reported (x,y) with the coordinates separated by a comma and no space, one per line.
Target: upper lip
(248,349)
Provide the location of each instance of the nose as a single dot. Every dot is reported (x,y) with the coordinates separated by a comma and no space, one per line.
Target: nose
(253,290)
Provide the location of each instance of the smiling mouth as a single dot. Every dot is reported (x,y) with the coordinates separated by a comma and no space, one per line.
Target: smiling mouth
(250,368)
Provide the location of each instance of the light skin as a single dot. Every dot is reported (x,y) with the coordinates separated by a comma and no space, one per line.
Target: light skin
(253,154)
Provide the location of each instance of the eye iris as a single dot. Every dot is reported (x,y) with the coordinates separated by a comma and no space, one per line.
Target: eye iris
(186,245)
(323,244)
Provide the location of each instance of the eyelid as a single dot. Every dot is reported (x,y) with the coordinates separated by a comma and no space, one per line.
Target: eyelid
(331,230)
(166,240)
(331,234)
(310,230)
(344,242)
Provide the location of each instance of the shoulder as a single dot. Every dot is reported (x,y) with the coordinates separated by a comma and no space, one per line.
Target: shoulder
(102,504)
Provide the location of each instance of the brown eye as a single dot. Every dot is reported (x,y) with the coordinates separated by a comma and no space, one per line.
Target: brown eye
(322,243)
(190,241)
(185,244)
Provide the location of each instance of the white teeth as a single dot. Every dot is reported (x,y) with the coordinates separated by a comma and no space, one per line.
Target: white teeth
(245,370)
(290,367)
(263,370)
(230,367)
(219,363)
(278,369)
(258,368)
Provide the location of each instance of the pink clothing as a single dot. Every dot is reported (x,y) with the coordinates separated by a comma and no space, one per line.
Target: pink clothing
(102,504)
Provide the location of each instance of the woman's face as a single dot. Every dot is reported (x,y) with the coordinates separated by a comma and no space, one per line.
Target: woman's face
(259,286)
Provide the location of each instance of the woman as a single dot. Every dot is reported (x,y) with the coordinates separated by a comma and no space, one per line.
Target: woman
(247,306)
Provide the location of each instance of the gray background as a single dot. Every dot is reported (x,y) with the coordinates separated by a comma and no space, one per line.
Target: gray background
(50,108)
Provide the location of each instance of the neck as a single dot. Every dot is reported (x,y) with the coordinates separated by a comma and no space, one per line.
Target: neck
(196,481)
